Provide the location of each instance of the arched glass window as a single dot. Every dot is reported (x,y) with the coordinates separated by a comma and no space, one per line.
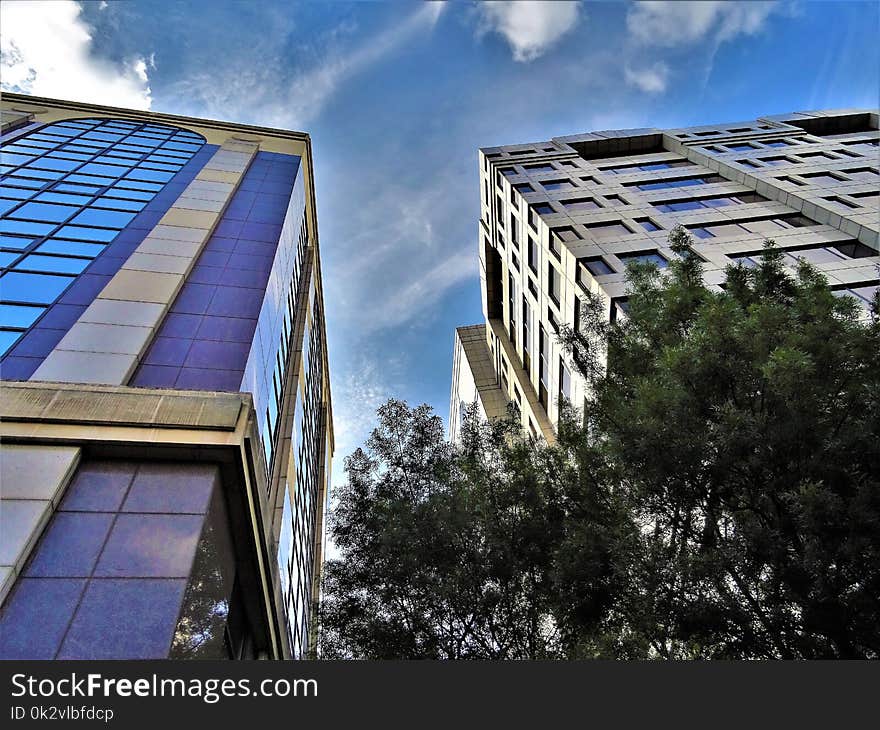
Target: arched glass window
(67,190)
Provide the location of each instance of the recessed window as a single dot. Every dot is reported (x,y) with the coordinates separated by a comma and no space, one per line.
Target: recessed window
(744,147)
(678,183)
(840,201)
(616,199)
(554,283)
(776,161)
(647,224)
(822,178)
(778,143)
(596,266)
(644,257)
(863,174)
(523,188)
(719,201)
(534,169)
(815,155)
(551,185)
(566,234)
(580,204)
(542,208)
(608,230)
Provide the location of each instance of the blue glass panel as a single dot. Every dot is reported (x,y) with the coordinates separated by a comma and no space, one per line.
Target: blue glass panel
(10,158)
(180,146)
(73,248)
(149,164)
(103,218)
(32,288)
(75,188)
(40,174)
(78,148)
(90,179)
(718,202)
(7,340)
(23,182)
(119,204)
(66,154)
(54,197)
(87,234)
(7,258)
(18,193)
(102,136)
(45,212)
(139,185)
(36,616)
(25,228)
(120,192)
(124,619)
(13,315)
(111,171)
(52,264)
(15,243)
(153,175)
(7,205)
(33,142)
(51,163)
(19,150)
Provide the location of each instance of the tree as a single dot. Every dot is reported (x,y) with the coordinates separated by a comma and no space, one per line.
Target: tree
(717,497)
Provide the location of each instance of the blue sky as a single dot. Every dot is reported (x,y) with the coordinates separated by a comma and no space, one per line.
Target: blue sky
(397,99)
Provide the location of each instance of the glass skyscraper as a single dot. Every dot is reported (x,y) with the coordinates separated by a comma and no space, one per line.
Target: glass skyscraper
(165,405)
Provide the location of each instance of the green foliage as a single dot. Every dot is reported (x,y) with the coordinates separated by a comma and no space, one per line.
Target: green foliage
(718,498)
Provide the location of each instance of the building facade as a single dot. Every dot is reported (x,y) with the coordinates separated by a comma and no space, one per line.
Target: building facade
(563,217)
(165,409)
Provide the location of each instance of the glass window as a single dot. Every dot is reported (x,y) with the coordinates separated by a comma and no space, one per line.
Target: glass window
(7,258)
(103,218)
(608,230)
(597,266)
(14,315)
(120,192)
(648,224)
(15,243)
(67,199)
(45,212)
(51,163)
(17,193)
(556,185)
(32,288)
(87,234)
(26,228)
(7,340)
(651,257)
(72,248)
(543,209)
(580,204)
(52,264)
(84,156)
(119,204)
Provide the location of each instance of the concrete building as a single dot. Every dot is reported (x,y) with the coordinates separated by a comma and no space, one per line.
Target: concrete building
(565,216)
(165,408)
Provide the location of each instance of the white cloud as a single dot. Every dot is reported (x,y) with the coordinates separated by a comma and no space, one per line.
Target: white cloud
(676,23)
(46,50)
(531,28)
(651,80)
